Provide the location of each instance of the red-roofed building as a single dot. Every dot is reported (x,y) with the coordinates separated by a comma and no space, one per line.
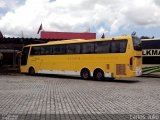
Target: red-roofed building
(66,35)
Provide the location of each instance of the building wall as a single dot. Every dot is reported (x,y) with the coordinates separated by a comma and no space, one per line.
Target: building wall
(66,35)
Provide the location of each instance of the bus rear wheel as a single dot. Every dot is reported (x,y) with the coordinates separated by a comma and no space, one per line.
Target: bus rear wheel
(85,74)
(31,71)
(98,74)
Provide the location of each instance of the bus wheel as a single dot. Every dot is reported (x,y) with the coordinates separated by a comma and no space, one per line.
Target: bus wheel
(112,78)
(31,71)
(98,74)
(85,74)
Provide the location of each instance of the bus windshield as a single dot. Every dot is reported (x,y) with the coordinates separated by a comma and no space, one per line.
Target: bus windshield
(24,56)
(137,43)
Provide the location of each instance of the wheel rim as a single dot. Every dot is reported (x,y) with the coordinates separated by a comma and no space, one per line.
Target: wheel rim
(99,75)
(85,74)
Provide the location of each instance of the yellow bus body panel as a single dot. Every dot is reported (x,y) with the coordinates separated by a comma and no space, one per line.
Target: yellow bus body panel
(73,64)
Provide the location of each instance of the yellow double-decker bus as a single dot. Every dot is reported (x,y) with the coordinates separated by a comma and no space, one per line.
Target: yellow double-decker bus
(117,57)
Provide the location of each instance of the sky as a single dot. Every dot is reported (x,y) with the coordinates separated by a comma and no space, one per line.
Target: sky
(111,17)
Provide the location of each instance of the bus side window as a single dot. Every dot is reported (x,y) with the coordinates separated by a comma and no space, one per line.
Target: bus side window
(102,47)
(115,47)
(123,46)
(87,48)
(73,48)
(46,50)
(118,46)
(59,49)
(36,50)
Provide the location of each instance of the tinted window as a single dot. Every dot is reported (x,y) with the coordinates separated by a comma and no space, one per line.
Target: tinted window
(123,46)
(87,48)
(46,50)
(118,46)
(115,47)
(102,47)
(151,44)
(24,56)
(73,48)
(35,50)
(59,49)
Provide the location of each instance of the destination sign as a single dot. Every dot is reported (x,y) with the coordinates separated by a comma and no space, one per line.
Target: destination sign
(151,52)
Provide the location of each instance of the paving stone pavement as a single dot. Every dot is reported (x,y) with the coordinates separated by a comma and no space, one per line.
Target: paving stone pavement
(68,98)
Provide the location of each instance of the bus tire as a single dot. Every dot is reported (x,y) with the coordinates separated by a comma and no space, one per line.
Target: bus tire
(85,74)
(112,78)
(31,71)
(98,74)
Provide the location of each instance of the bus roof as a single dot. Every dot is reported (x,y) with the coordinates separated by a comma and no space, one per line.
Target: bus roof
(150,39)
(79,40)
